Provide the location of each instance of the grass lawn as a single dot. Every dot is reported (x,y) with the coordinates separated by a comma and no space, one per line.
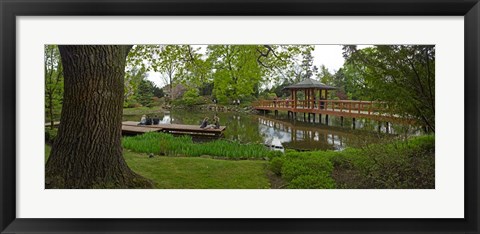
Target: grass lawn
(197,173)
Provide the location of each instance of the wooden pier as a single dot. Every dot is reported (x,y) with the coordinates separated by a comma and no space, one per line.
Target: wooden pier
(131,127)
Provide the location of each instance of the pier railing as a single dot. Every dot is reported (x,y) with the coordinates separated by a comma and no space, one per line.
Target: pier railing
(347,106)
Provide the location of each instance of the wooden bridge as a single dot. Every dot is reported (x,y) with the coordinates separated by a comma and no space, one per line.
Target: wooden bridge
(315,95)
(341,108)
(131,127)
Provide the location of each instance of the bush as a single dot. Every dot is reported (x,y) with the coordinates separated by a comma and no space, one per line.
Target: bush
(304,170)
(397,165)
(276,165)
(403,164)
(305,165)
(132,104)
(190,97)
(319,181)
(270,96)
(408,164)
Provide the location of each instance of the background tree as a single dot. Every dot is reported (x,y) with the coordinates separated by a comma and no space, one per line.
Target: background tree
(53,83)
(402,75)
(158,92)
(145,92)
(242,70)
(325,76)
(133,77)
(236,71)
(307,65)
(87,152)
(169,64)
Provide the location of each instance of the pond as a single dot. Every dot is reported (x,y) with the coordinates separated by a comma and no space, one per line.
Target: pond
(280,132)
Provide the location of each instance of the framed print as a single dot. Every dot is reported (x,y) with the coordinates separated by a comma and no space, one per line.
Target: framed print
(261,117)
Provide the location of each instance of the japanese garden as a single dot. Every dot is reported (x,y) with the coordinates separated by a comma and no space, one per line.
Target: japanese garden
(239,117)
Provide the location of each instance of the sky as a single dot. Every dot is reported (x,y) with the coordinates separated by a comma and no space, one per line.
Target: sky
(328,55)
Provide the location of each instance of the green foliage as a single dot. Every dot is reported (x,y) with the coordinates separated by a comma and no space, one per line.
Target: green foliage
(191,98)
(226,72)
(308,69)
(166,144)
(408,164)
(401,75)
(398,165)
(325,76)
(269,96)
(317,181)
(145,92)
(276,165)
(133,77)
(307,171)
(237,71)
(240,70)
(158,92)
(53,82)
(50,135)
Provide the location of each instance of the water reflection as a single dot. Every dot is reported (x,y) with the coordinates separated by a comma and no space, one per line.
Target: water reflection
(304,136)
(280,132)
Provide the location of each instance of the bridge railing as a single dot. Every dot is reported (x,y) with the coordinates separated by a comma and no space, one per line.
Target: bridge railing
(350,106)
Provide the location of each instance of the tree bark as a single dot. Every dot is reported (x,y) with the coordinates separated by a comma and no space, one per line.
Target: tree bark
(87,152)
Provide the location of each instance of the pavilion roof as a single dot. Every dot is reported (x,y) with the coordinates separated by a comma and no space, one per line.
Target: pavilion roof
(309,83)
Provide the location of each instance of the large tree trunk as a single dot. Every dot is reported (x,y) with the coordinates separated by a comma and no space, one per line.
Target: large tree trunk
(88,152)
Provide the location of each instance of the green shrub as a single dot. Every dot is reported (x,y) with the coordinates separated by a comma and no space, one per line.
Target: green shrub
(304,170)
(305,165)
(402,164)
(276,165)
(409,164)
(320,180)
(132,104)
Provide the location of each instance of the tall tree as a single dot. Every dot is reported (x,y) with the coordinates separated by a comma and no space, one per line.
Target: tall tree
(133,77)
(237,71)
(53,83)
(402,75)
(145,92)
(169,64)
(240,70)
(87,152)
(307,65)
(325,76)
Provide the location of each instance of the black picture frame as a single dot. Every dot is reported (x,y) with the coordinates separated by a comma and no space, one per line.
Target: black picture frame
(470,9)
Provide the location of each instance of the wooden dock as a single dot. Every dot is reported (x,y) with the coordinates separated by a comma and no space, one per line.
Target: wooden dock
(131,127)
(127,129)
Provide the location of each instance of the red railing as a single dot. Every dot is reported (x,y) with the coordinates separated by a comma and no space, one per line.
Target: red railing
(350,106)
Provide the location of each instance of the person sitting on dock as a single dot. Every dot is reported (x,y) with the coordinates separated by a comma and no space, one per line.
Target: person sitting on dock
(149,121)
(143,120)
(216,122)
(204,123)
(156,120)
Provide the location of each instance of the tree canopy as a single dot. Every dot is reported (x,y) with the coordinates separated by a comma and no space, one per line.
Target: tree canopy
(401,75)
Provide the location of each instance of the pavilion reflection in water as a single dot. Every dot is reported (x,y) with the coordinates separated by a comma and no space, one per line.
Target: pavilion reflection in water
(280,133)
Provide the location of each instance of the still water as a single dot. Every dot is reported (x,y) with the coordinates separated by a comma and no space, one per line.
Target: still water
(281,132)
